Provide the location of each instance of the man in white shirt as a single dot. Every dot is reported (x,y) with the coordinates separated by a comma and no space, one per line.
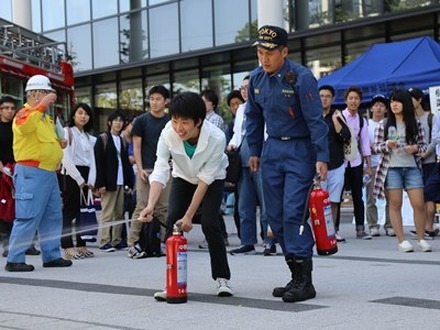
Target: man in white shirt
(196,148)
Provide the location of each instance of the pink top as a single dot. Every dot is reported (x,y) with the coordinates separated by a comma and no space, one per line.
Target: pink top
(353,122)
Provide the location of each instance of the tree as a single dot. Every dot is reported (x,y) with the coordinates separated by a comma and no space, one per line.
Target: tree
(243,34)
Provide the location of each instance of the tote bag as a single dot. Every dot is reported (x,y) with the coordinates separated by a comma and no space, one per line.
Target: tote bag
(88,224)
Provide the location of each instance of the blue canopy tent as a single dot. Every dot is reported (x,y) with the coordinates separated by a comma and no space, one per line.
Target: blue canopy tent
(388,66)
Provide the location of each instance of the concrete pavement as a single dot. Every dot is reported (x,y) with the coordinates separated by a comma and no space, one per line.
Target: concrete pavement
(367,284)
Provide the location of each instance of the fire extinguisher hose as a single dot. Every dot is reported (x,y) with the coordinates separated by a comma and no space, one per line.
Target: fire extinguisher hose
(306,205)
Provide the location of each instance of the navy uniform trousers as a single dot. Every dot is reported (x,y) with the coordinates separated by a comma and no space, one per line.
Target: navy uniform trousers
(288,168)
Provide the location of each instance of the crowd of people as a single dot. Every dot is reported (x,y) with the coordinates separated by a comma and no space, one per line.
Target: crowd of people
(172,162)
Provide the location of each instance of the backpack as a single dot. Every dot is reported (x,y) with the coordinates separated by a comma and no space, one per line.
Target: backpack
(104,139)
(351,148)
(149,239)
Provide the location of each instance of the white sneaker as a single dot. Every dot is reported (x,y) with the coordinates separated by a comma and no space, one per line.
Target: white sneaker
(224,289)
(374,232)
(339,238)
(163,249)
(424,246)
(135,252)
(390,232)
(161,295)
(406,246)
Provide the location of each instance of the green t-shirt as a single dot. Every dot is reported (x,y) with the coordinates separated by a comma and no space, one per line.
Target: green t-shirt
(189,148)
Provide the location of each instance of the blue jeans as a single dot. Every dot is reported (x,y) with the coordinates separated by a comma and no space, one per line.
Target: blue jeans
(250,189)
(38,208)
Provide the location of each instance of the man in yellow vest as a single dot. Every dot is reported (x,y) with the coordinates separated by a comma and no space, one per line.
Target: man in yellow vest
(38,153)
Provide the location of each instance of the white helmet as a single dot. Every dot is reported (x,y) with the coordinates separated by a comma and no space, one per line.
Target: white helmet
(38,82)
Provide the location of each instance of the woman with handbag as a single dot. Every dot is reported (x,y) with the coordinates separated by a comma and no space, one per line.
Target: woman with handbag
(79,172)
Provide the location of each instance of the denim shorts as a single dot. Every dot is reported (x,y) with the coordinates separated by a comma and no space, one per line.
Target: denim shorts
(404,178)
(335,183)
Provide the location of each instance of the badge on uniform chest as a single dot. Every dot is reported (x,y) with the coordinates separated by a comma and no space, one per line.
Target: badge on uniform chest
(290,78)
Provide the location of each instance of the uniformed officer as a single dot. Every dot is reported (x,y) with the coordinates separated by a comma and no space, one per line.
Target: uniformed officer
(283,97)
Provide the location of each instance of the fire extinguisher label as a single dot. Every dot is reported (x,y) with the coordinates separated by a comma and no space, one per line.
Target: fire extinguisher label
(329,221)
(181,268)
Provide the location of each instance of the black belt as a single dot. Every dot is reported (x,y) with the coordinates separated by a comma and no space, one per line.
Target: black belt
(282,138)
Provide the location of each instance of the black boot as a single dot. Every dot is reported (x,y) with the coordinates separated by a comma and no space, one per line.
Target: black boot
(302,289)
(280,290)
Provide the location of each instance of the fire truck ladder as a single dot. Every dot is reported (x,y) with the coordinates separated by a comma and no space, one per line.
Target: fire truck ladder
(23,45)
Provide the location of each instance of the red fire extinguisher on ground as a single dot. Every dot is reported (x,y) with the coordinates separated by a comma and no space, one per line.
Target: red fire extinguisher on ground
(176,267)
(322,221)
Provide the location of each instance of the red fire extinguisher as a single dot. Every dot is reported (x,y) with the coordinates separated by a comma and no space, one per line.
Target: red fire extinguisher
(322,221)
(176,267)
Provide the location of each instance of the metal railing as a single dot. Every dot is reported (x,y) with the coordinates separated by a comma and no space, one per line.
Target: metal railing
(25,46)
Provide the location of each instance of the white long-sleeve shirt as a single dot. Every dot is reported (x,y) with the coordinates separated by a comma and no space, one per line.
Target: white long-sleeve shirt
(237,137)
(208,163)
(79,152)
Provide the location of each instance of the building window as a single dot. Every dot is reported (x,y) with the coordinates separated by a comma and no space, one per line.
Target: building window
(6,10)
(164,30)
(161,79)
(130,95)
(53,14)
(83,95)
(36,15)
(102,8)
(79,43)
(127,5)
(231,21)
(58,35)
(105,96)
(186,81)
(105,44)
(155,2)
(354,49)
(78,11)
(134,36)
(105,102)
(241,70)
(218,78)
(11,87)
(196,33)
(323,61)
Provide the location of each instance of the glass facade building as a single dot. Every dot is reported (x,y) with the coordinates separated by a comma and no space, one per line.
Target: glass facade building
(120,48)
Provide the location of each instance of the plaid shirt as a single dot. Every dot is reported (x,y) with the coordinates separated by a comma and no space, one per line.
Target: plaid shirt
(380,147)
(216,119)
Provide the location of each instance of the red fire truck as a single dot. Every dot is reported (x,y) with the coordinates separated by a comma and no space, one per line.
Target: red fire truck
(23,54)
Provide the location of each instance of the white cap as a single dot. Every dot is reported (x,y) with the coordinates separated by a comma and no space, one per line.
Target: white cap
(39,82)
